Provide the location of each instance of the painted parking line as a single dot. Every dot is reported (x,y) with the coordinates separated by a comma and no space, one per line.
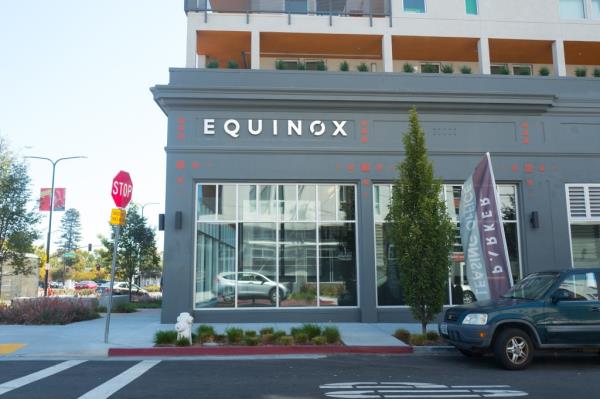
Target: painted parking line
(6,349)
(38,375)
(377,390)
(114,384)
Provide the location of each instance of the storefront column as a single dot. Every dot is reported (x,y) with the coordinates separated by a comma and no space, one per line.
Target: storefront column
(366,253)
(255,50)
(483,47)
(386,51)
(558,58)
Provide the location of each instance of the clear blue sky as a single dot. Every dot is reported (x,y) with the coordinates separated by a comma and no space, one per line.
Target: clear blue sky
(74,80)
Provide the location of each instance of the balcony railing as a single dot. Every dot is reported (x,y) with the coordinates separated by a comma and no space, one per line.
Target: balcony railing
(367,8)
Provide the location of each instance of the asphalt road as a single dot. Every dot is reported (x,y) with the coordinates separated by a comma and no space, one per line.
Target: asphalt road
(417,376)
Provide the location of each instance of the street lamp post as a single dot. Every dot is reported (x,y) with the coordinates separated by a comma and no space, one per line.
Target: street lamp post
(51,209)
(139,249)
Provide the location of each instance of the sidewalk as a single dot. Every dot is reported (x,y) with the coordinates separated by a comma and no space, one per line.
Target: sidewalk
(136,330)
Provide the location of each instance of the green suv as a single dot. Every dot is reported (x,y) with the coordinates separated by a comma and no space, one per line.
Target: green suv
(547,310)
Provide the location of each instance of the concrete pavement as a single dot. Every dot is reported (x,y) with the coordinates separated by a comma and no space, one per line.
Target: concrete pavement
(136,330)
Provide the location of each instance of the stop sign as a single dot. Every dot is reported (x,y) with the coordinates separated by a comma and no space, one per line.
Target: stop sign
(122,187)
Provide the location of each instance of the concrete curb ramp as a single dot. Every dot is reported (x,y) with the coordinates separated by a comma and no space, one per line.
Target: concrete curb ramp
(259,350)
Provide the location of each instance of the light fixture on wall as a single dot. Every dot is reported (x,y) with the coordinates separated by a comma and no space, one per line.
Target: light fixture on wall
(534,219)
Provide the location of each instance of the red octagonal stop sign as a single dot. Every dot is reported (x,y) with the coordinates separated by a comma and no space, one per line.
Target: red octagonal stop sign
(122,187)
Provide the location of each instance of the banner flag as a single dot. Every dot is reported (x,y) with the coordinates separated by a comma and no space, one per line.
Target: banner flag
(482,234)
(59,199)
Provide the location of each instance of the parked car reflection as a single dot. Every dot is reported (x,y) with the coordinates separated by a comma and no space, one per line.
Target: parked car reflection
(250,285)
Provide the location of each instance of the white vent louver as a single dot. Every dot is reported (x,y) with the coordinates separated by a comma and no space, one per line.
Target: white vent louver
(594,195)
(577,201)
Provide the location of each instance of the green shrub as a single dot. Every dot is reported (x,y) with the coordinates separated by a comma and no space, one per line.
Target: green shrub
(301,66)
(331,334)
(581,72)
(234,335)
(149,303)
(402,335)
(125,307)
(286,340)
(319,340)
(408,68)
(321,66)
(432,336)
(597,72)
(251,341)
(165,337)
(266,330)
(418,339)
(101,309)
(311,330)
(279,64)
(300,338)
(212,64)
(249,333)
(152,288)
(205,333)
(544,71)
(182,342)
(447,68)
(278,334)
(429,68)
(362,67)
(344,66)
(267,338)
(232,64)
(465,70)
(295,331)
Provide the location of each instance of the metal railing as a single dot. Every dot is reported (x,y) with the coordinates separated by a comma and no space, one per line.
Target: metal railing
(365,8)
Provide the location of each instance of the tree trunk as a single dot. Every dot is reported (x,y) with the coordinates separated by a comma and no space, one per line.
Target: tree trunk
(423,328)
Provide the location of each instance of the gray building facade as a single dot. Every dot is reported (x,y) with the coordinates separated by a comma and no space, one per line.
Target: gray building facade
(278,183)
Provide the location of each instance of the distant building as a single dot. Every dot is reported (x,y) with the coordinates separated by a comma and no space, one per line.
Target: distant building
(279,162)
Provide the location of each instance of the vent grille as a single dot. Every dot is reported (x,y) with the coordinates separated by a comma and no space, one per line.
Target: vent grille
(594,193)
(577,202)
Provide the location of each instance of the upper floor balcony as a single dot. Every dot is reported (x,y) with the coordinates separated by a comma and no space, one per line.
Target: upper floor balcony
(373,8)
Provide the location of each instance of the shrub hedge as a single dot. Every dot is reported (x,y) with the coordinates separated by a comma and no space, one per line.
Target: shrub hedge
(49,310)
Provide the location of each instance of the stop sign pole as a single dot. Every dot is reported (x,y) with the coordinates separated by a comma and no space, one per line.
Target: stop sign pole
(122,188)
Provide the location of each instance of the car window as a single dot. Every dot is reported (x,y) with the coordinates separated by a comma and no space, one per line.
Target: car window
(580,287)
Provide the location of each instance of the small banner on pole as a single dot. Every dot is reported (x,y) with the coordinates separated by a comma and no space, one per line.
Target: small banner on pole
(59,199)
(482,234)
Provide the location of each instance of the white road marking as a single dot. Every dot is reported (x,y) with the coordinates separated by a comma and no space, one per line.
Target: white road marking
(38,375)
(114,384)
(383,390)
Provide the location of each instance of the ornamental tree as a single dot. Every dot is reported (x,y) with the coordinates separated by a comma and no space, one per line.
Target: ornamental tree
(422,232)
(17,223)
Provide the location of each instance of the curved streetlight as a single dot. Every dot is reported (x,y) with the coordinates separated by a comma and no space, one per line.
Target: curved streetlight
(51,209)
(146,204)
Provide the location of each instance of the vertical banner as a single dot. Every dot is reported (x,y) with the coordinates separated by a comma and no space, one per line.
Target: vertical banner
(482,234)
(59,199)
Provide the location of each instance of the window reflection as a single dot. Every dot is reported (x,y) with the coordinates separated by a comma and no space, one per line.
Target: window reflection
(337,258)
(298,263)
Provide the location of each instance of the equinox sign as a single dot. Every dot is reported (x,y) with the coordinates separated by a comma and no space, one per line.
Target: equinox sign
(255,127)
(368,390)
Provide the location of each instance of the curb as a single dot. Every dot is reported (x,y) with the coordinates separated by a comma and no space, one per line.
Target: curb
(253,350)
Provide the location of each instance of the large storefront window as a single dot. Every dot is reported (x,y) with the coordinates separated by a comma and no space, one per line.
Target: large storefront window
(389,292)
(275,245)
(584,221)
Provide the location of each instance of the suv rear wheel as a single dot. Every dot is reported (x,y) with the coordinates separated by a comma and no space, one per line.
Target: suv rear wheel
(513,349)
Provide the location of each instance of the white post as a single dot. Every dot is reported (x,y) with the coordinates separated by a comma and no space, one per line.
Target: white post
(386,50)
(255,50)
(191,47)
(558,57)
(483,47)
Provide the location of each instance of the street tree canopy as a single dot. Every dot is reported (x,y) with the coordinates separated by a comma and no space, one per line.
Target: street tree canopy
(137,252)
(70,234)
(421,229)
(17,223)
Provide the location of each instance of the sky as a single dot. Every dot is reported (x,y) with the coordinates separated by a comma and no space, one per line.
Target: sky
(74,81)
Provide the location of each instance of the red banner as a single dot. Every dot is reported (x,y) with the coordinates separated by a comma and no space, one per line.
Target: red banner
(59,199)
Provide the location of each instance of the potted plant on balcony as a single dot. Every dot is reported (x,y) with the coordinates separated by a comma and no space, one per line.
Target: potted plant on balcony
(544,71)
(408,68)
(212,64)
(447,68)
(320,65)
(344,66)
(581,72)
(597,72)
(465,70)
(232,64)
(362,67)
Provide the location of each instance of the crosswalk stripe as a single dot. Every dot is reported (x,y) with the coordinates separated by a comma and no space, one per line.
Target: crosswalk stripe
(114,384)
(38,375)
